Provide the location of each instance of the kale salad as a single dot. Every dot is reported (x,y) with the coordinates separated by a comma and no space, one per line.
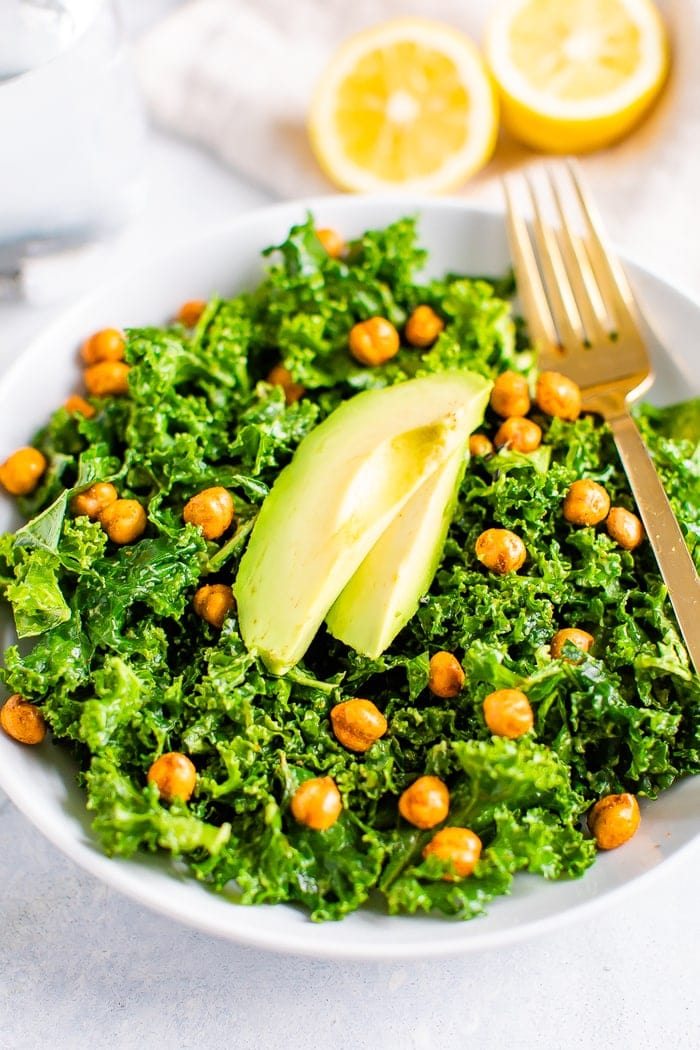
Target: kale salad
(115,654)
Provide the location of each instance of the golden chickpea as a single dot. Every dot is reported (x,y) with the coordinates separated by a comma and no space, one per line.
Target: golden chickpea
(281,376)
(211,510)
(22,720)
(374,341)
(22,471)
(459,847)
(190,312)
(507,712)
(500,550)
(107,378)
(518,433)
(106,345)
(213,602)
(423,327)
(425,803)
(357,724)
(78,406)
(557,395)
(510,395)
(124,521)
(479,445)
(332,242)
(94,500)
(624,527)
(586,503)
(613,820)
(174,775)
(316,803)
(581,639)
(445,677)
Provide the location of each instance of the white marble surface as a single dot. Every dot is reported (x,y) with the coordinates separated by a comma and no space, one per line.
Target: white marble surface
(81,966)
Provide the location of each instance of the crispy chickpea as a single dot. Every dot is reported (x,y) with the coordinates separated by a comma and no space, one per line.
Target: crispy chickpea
(190,312)
(586,503)
(613,820)
(423,327)
(445,677)
(480,445)
(425,803)
(374,341)
(507,712)
(22,471)
(212,510)
(332,242)
(510,395)
(124,521)
(94,500)
(557,395)
(174,775)
(106,345)
(316,803)
(357,724)
(107,378)
(518,433)
(213,602)
(281,376)
(459,847)
(78,406)
(22,720)
(624,527)
(581,639)
(500,550)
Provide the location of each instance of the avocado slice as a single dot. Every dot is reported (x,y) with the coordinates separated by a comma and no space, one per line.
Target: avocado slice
(382,596)
(347,481)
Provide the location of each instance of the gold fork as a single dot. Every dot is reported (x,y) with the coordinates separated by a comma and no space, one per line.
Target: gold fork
(585,323)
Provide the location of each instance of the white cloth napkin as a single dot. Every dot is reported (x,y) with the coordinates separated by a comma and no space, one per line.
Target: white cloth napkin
(236,76)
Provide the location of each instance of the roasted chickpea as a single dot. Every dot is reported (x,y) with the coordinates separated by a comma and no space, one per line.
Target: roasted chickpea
(212,510)
(190,312)
(480,445)
(458,847)
(500,550)
(21,472)
(425,803)
(446,677)
(357,724)
(613,820)
(518,433)
(332,242)
(106,345)
(107,378)
(316,803)
(557,395)
(423,327)
(124,520)
(624,527)
(78,406)
(507,712)
(22,720)
(281,376)
(586,503)
(510,395)
(213,602)
(174,775)
(92,501)
(374,341)
(581,639)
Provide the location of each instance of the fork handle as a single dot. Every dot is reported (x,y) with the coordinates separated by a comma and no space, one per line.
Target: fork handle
(663,531)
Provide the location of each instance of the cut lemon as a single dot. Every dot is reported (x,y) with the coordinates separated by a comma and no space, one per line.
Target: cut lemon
(406,105)
(575,75)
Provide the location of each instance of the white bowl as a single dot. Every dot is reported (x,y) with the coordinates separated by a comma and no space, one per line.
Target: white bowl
(41,780)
